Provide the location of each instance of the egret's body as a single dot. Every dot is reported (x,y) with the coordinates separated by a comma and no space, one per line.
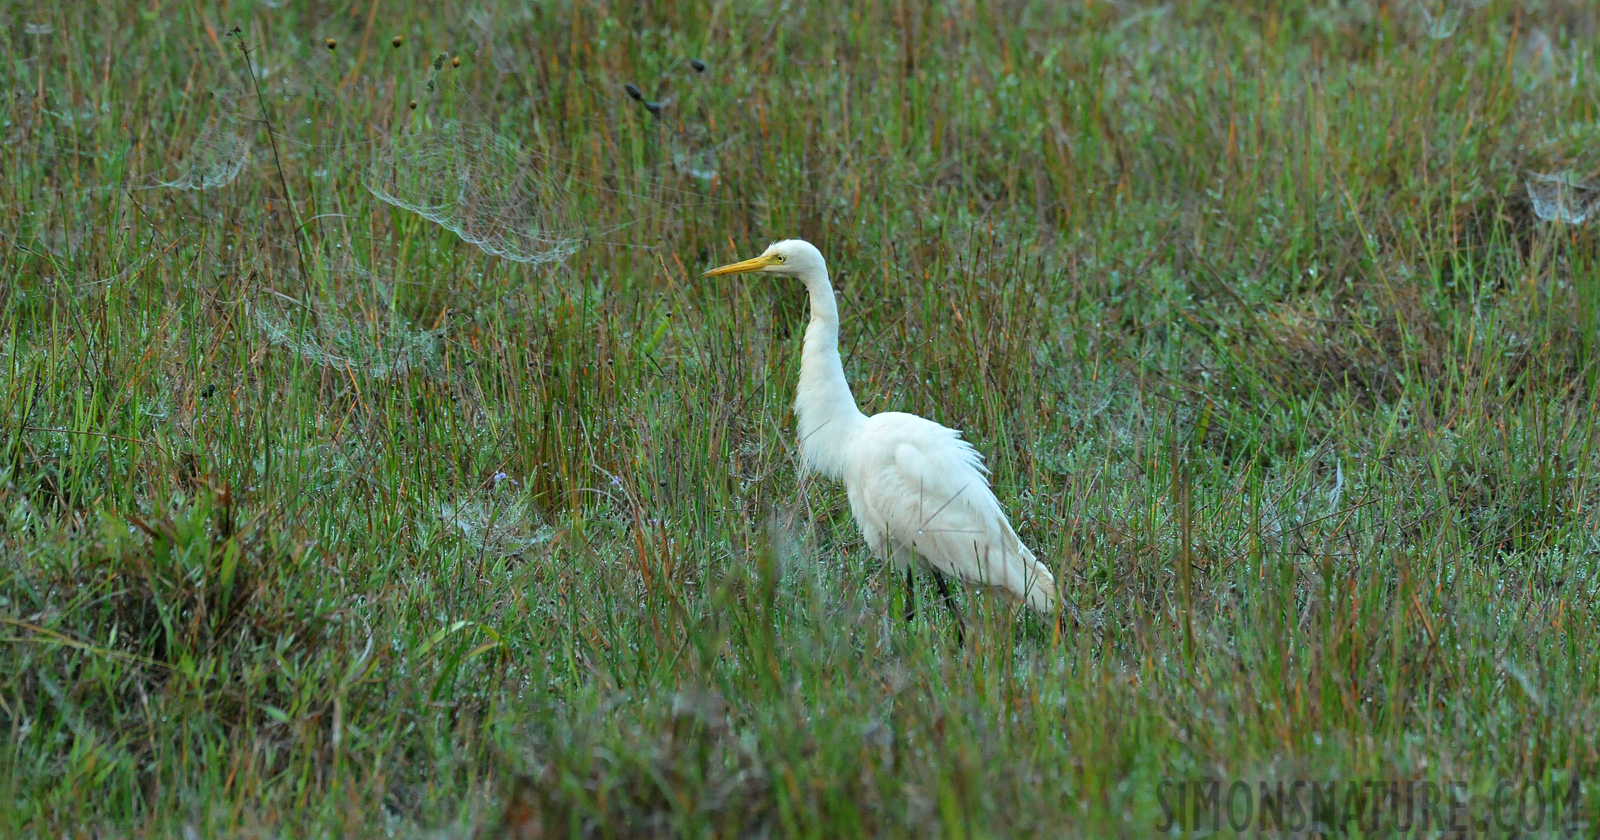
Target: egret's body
(916,488)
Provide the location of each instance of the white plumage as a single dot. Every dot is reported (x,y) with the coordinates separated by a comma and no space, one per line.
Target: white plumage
(916,488)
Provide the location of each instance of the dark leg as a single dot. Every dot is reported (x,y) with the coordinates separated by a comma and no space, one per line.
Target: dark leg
(950,601)
(911,593)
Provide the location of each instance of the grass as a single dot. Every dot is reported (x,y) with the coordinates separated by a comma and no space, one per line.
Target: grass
(319,519)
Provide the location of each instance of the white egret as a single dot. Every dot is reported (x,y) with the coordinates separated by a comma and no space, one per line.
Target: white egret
(916,488)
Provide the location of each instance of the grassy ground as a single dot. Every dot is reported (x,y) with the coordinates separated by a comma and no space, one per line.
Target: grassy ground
(320,518)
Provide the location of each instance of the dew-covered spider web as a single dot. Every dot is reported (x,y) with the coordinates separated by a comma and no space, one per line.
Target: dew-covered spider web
(216,157)
(377,343)
(1441,18)
(485,187)
(1562,198)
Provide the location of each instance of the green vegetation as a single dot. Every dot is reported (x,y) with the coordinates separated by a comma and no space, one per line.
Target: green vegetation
(316,518)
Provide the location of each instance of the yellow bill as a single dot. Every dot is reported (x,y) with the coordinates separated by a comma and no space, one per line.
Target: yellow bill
(753,264)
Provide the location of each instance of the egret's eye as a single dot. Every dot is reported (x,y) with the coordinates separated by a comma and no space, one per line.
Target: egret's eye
(782,258)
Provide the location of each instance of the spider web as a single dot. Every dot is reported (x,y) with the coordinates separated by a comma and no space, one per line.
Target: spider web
(1441,18)
(354,338)
(216,156)
(482,186)
(1562,198)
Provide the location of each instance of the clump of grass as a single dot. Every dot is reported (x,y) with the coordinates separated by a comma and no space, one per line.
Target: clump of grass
(640,790)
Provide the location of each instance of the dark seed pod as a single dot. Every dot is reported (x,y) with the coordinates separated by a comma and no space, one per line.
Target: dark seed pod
(397,41)
(633,91)
(698,65)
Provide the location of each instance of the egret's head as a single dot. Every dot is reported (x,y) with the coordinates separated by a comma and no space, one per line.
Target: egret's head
(790,258)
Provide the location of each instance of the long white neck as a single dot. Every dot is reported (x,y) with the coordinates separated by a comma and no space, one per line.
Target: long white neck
(823,404)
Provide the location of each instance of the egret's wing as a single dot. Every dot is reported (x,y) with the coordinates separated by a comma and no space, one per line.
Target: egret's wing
(924,487)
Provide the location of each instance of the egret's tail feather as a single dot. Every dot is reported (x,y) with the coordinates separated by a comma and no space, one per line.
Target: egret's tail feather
(1038,586)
